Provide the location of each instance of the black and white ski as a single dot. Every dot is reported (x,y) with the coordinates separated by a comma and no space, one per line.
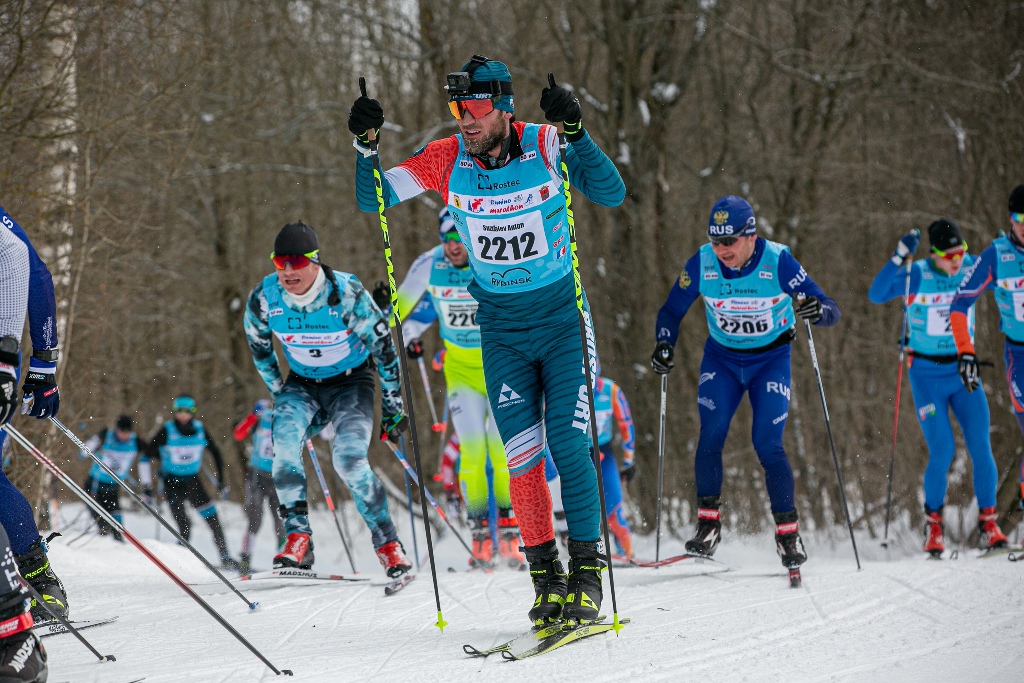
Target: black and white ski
(534,634)
(999,552)
(295,573)
(566,633)
(398,584)
(53,628)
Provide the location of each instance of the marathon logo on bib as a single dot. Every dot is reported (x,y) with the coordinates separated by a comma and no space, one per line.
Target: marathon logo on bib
(507,203)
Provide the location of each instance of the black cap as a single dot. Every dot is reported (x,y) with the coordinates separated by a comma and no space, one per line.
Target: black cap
(1017,200)
(944,234)
(124,423)
(296,238)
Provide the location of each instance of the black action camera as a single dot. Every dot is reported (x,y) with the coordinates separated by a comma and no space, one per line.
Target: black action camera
(458,83)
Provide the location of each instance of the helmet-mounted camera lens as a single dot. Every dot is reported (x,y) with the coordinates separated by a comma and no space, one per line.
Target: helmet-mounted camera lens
(458,83)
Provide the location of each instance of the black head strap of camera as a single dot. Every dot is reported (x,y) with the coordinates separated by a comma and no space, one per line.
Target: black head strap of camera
(493,88)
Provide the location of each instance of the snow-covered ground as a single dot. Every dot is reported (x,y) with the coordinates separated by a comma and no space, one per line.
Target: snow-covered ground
(901,618)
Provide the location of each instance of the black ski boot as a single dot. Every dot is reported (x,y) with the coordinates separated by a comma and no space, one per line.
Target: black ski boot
(34,565)
(549,582)
(787,539)
(245,564)
(709,527)
(583,596)
(22,657)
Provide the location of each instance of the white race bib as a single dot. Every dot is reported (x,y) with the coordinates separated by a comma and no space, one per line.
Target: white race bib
(508,240)
(1018,306)
(316,350)
(938,321)
(185,455)
(745,325)
(118,461)
(459,315)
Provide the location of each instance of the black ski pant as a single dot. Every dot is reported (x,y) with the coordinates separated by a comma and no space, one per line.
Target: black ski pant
(178,490)
(259,486)
(106,494)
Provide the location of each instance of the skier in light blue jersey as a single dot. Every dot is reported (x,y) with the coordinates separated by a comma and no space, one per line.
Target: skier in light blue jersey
(748,285)
(337,342)
(934,379)
(117,448)
(500,180)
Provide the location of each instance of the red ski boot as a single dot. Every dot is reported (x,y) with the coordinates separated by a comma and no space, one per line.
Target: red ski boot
(509,540)
(392,558)
(934,543)
(483,546)
(991,536)
(297,551)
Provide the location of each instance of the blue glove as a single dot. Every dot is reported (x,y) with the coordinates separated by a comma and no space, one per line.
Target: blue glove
(906,246)
(41,398)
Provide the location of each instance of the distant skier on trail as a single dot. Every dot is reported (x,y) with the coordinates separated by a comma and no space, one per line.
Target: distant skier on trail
(443,273)
(501,182)
(178,450)
(336,341)
(748,285)
(26,285)
(259,480)
(117,448)
(934,378)
(1000,267)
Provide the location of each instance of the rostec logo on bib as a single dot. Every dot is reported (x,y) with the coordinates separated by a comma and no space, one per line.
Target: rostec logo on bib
(508,240)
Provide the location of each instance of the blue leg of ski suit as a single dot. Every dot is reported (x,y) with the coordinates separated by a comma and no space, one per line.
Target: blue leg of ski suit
(937,388)
(1014,357)
(300,411)
(724,377)
(16,514)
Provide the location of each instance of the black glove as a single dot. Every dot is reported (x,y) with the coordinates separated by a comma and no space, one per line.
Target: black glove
(392,426)
(809,309)
(41,397)
(967,366)
(628,473)
(661,359)
(366,114)
(414,349)
(8,396)
(381,295)
(561,106)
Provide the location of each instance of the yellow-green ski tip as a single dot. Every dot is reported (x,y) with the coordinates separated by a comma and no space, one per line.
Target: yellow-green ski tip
(441,623)
(618,625)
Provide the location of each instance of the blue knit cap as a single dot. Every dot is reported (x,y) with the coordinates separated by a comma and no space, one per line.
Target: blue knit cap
(492,70)
(731,216)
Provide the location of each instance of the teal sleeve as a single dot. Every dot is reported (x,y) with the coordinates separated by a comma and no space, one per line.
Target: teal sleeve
(593,172)
(366,187)
(261,340)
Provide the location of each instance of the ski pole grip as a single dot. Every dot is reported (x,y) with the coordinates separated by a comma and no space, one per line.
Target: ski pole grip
(560,126)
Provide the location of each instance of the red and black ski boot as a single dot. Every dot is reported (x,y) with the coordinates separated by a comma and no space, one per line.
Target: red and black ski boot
(583,593)
(787,540)
(709,527)
(483,544)
(392,557)
(297,552)
(934,541)
(991,537)
(509,540)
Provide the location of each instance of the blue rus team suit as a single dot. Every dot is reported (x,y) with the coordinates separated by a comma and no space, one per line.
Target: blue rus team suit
(751,324)
(335,352)
(514,223)
(15,511)
(1000,267)
(934,380)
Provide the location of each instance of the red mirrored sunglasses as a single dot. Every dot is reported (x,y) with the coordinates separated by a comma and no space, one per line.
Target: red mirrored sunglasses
(476,108)
(296,260)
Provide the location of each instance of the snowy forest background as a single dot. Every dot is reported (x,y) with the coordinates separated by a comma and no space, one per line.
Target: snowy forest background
(153,149)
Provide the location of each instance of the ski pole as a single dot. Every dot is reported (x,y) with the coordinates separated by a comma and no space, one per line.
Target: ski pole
(378,180)
(63,621)
(330,502)
(589,342)
(412,517)
(896,407)
(149,508)
(102,512)
(435,426)
(661,467)
(433,503)
(831,441)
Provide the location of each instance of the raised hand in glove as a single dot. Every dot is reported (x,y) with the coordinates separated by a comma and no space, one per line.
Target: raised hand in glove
(392,426)
(661,359)
(967,366)
(561,106)
(365,115)
(906,246)
(41,397)
(414,349)
(628,472)
(809,308)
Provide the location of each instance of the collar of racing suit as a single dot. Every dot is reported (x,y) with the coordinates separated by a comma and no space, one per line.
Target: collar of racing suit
(306,299)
